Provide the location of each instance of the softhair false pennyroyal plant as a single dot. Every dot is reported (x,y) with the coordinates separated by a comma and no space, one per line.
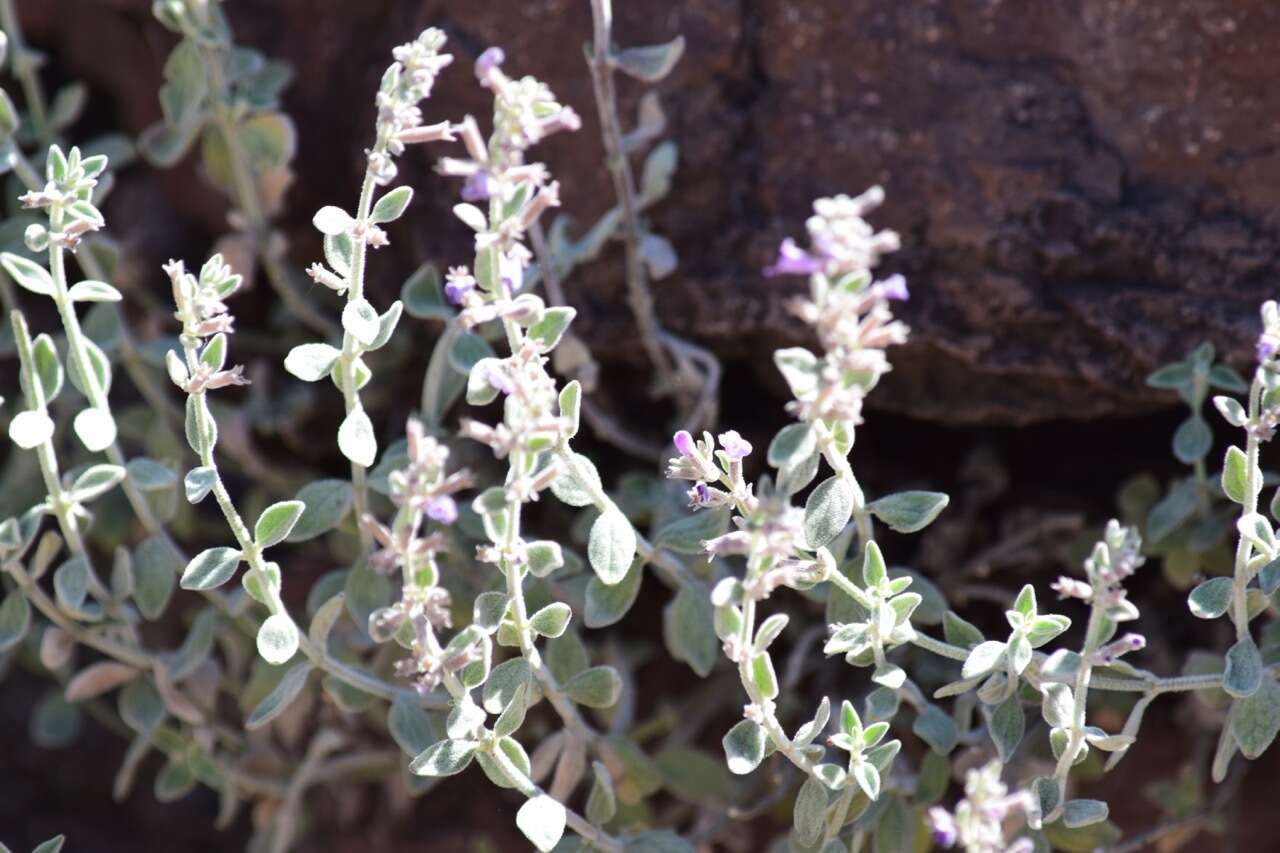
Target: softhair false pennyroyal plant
(454,609)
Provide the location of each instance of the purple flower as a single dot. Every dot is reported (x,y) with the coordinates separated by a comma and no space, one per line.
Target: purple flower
(703,494)
(458,283)
(735,446)
(1266,348)
(943,825)
(792,260)
(488,61)
(443,509)
(477,187)
(684,443)
(895,287)
(511,271)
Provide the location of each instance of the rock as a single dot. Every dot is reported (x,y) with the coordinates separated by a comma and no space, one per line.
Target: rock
(1085,190)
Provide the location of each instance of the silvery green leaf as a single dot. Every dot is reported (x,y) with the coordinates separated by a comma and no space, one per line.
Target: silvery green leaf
(827,511)
(48,369)
(983,658)
(1255,528)
(548,331)
(98,678)
(958,632)
(830,775)
(542,820)
(686,535)
(1025,603)
(392,205)
(387,322)
(15,619)
(53,845)
(793,443)
(28,274)
(1192,440)
(611,546)
(277,522)
(808,732)
(326,616)
(198,482)
(480,391)
(570,407)
(763,676)
(1231,410)
(488,610)
(93,291)
(423,297)
(1058,706)
(909,512)
(311,362)
(1019,654)
(800,368)
(174,781)
(471,216)
(769,631)
(277,639)
(327,502)
(155,567)
(1243,674)
(1235,475)
(1210,599)
(873,568)
(689,630)
(71,583)
(809,812)
(30,429)
(551,620)
(1255,720)
(150,475)
(744,747)
(259,590)
(99,364)
(1006,723)
(497,774)
(360,320)
(356,439)
(141,707)
(332,220)
(8,114)
(655,180)
(658,255)
(96,480)
(868,779)
(467,351)
(1078,813)
(567,487)
(889,675)
(275,702)
(1042,629)
(596,687)
(602,803)
(606,604)
(936,728)
(650,63)
(410,726)
(95,428)
(1172,510)
(505,679)
(210,568)
(544,556)
(1061,666)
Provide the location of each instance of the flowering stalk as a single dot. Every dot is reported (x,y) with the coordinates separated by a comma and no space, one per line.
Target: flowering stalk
(205,325)
(406,82)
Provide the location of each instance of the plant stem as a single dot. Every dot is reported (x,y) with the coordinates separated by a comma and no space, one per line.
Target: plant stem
(25,69)
(351,352)
(624,188)
(1242,576)
(252,554)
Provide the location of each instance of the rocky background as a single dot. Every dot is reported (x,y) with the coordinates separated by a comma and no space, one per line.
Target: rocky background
(1086,189)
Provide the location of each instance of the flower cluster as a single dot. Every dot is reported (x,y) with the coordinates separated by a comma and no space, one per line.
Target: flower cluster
(978,823)
(407,82)
(1112,562)
(203,312)
(850,312)
(68,196)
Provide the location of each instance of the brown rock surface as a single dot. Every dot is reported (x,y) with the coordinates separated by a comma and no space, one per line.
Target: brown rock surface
(1085,188)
